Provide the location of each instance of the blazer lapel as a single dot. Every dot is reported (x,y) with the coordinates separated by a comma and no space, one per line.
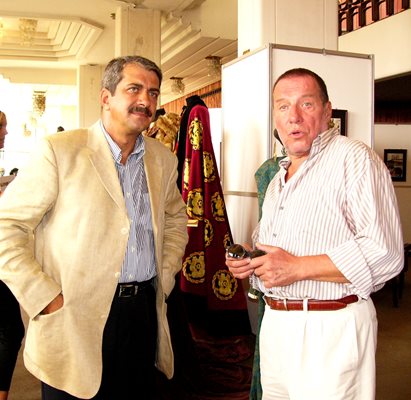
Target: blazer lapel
(102,160)
(154,174)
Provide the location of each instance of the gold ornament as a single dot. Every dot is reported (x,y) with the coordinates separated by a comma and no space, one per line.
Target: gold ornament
(195,133)
(195,204)
(217,207)
(208,163)
(194,267)
(224,284)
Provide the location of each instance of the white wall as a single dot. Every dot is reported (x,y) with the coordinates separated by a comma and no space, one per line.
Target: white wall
(389,40)
(398,137)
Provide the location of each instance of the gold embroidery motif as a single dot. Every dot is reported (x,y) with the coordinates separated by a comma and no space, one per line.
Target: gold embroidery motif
(208,232)
(227,241)
(224,284)
(217,206)
(196,133)
(186,173)
(208,163)
(194,268)
(195,204)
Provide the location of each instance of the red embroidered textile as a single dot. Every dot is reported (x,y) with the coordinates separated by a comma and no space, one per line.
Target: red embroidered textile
(204,271)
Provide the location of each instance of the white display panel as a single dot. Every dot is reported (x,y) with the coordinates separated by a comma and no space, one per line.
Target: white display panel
(247,120)
(242,216)
(216,134)
(349,79)
(246,115)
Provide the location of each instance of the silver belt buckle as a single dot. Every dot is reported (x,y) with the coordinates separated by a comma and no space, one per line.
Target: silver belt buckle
(124,292)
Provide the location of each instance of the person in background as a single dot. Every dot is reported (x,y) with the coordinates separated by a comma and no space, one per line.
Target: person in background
(11,324)
(110,231)
(3,129)
(60,129)
(331,232)
(14,171)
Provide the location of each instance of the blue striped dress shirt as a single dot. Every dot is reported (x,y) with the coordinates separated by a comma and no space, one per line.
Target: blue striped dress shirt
(139,261)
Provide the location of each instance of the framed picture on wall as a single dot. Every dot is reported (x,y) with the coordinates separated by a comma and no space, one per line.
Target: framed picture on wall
(396,162)
(339,119)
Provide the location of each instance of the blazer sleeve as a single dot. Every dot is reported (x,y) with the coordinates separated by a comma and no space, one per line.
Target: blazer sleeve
(22,208)
(175,231)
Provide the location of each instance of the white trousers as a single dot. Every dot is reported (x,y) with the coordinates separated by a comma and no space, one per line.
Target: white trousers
(319,355)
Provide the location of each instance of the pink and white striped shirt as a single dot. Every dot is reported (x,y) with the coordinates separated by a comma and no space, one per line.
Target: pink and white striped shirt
(340,202)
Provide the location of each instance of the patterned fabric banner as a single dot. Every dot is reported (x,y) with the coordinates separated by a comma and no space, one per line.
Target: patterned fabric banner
(204,271)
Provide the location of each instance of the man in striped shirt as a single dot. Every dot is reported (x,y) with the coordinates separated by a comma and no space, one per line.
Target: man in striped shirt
(331,231)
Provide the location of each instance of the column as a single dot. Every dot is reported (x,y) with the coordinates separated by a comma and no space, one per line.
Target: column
(305,23)
(138,32)
(89,83)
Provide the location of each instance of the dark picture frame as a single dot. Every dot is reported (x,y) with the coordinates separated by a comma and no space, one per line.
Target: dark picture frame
(339,118)
(396,162)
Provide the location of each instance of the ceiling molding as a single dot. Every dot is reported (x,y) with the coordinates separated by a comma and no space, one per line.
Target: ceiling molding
(54,38)
(67,41)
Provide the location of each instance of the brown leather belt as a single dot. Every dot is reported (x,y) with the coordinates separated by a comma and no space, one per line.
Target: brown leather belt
(312,305)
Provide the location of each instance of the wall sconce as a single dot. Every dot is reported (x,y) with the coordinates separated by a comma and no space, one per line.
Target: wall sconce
(28,29)
(39,102)
(213,66)
(177,85)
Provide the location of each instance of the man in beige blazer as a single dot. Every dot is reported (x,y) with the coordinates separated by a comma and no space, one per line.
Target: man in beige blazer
(109,229)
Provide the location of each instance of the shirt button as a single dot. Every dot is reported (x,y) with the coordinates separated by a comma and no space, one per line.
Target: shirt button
(124,231)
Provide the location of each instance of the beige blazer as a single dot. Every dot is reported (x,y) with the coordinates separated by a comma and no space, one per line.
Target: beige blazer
(69,197)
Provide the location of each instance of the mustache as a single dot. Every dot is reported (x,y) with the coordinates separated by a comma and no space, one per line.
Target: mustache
(141,109)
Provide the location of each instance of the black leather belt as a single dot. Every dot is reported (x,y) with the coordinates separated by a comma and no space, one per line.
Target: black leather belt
(131,289)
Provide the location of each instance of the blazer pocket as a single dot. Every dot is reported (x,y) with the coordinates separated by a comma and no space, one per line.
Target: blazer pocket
(47,325)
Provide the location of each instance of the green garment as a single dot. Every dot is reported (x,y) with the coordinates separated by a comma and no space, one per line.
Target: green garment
(263,177)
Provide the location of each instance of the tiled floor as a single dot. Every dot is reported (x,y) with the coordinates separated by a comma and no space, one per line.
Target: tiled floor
(393,353)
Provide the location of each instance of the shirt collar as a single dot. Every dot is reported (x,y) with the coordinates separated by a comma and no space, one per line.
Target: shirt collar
(115,149)
(319,143)
(322,140)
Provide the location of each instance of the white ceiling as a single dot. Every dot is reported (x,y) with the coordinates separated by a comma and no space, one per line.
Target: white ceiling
(77,32)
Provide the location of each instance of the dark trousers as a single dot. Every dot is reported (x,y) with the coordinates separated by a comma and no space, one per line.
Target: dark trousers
(11,335)
(129,346)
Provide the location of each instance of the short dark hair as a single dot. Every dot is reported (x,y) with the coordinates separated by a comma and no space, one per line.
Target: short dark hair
(296,72)
(113,72)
